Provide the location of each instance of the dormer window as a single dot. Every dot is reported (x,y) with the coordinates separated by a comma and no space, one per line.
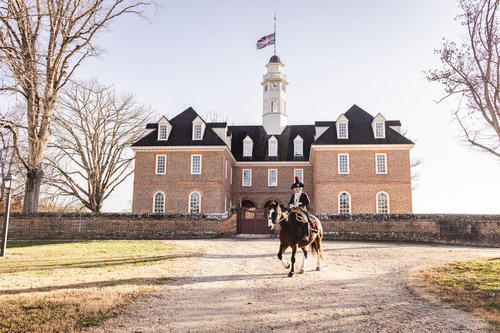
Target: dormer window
(247,147)
(342,127)
(164,129)
(198,128)
(378,125)
(273,146)
(298,146)
(379,130)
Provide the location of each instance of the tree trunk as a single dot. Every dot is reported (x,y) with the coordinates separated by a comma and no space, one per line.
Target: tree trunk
(32,193)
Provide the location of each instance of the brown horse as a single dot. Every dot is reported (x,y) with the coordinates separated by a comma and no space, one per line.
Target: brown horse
(291,235)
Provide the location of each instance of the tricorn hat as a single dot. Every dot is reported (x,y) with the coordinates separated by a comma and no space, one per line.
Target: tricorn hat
(297,183)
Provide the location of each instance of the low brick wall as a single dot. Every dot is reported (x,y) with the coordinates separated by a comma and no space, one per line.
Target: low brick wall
(119,226)
(476,230)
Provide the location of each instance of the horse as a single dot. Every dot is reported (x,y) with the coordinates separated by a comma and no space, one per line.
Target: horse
(291,235)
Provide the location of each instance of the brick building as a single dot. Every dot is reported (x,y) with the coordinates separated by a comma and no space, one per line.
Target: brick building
(356,163)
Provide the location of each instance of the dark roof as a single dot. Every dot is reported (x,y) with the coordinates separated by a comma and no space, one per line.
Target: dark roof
(324,123)
(260,142)
(181,134)
(361,132)
(217,125)
(275,58)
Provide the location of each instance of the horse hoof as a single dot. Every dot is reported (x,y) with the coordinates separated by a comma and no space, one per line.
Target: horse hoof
(301,271)
(290,274)
(318,268)
(287,266)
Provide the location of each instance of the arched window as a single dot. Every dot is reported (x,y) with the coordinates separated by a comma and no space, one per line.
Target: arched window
(344,203)
(382,203)
(194,203)
(159,203)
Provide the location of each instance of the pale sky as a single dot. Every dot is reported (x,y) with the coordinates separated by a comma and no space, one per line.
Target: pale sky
(336,53)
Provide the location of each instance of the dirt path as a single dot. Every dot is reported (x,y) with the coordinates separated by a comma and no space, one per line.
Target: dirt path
(240,286)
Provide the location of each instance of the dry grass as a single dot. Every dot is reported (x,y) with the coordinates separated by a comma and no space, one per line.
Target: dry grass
(67,286)
(473,286)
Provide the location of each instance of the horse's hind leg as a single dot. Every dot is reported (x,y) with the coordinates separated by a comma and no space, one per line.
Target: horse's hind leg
(319,254)
(280,256)
(304,262)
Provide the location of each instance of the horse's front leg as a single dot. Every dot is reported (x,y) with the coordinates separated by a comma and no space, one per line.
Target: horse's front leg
(304,262)
(294,251)
(280,256)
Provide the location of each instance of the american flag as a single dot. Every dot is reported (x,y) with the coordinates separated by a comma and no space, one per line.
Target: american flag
(266,41)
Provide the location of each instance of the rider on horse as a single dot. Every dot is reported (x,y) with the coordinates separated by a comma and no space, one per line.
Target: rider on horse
(300,201)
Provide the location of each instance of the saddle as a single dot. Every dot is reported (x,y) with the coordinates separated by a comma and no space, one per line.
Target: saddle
(301,216)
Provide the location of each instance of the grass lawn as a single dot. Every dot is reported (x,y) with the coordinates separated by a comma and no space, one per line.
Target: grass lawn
(473,286)
(67,286)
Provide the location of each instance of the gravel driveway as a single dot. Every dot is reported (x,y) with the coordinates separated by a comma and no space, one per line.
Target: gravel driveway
(239,285)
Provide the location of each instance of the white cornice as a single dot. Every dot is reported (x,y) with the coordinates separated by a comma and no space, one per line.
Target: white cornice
(273,163)
(362,147)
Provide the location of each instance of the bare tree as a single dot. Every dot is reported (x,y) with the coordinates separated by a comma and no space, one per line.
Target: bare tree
(42,43)
(9,163)
(472,71)
(88,154)
(215,117)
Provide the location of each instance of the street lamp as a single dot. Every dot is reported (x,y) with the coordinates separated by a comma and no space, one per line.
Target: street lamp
(7,183)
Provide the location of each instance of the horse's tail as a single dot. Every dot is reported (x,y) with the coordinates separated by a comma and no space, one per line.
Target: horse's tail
(317,246)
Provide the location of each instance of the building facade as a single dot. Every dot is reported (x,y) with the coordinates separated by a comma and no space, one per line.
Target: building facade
(354,164)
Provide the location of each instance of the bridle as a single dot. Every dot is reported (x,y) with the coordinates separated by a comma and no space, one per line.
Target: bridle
(285,216)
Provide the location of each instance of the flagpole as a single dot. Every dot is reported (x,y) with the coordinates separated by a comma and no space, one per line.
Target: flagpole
(274,33)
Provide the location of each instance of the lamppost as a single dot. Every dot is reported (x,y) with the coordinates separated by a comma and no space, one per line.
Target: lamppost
(7,183)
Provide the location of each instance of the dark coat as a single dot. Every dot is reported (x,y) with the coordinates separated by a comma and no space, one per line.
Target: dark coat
(303,200)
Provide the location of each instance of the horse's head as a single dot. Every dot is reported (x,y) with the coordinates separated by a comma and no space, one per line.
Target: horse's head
(272,215)
(275,214)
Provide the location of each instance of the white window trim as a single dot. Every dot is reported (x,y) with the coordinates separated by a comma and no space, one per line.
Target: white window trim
(154,202)
(298,142)
(388,202)
(346,130)
(156,166)
(192,160)
(189,202)
(383,130)
(243,177)
(350,203)
(376,164)
(272,142)
(348,164)
(301,178)
(225,169)
(247,142)
(194,132)
(231,175)
(269,177)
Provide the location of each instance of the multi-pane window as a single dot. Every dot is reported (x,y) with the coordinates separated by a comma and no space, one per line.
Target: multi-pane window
(161,164)
(343,164)
(162,132)
(298,173)
(246,177)
(247,148)
(381,163)
(272,177)
(159,203)
(273,147)
(379,130)
(197,128)
(344,203)
(342,134)
(194,203)
(298,148)
(382,203)
(195,164)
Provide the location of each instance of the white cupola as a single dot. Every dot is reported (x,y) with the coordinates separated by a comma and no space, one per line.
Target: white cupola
(274,116)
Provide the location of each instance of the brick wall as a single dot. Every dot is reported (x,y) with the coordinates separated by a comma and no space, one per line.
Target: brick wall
(362,183)
(120,226)
(477,230)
